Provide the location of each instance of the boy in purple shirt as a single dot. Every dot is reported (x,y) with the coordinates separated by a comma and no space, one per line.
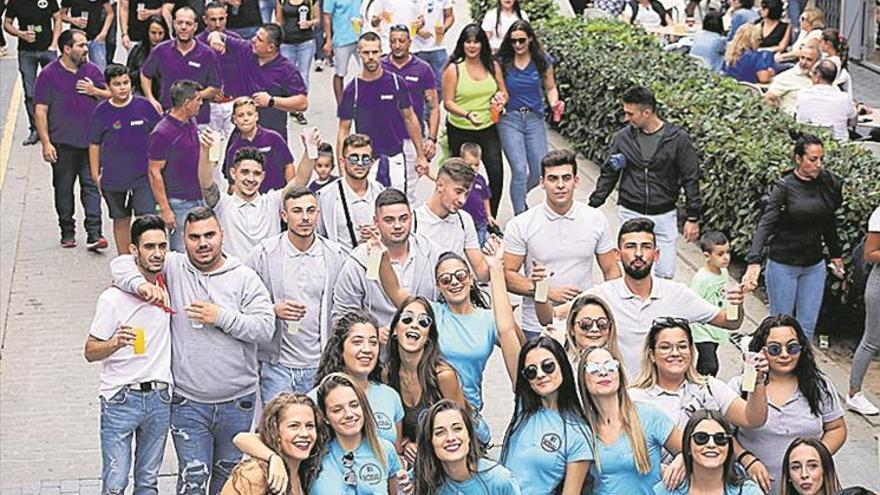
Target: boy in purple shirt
(66,93)
(119,134)
(174,159)
(278,168)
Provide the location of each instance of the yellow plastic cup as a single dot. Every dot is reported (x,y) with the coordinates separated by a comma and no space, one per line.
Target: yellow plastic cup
(140,341)
(356,25)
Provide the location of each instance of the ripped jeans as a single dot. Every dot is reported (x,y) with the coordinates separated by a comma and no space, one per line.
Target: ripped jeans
(202,435)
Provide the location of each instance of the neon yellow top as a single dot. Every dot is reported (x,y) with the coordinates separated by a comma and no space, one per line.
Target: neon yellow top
(473,96)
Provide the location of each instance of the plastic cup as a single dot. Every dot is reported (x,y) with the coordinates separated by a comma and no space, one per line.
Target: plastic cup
(373,262)
(216,150)
(311,147)
(356,25)
(750,374)
(413,29)
(558,108)
(542,290)
(293,327)
(140,341)
(496,114)
(438,31)
(141,7)
(84,16)
(388,16)
(823,342)
(731,311)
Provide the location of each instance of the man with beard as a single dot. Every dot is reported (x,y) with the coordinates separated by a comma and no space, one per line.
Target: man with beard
(346,206)
(784,88)
(412,256)
(66,93)
(300,269)
(221,312)
(640,296)
(232,80)
(132,340)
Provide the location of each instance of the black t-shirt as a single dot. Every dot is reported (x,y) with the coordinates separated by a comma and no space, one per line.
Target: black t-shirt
(93,8)
(36,13)
(248,15)
(290,26)
(137,30)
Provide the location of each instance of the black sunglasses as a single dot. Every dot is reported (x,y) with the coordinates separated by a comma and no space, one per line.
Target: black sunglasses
(445,279)
(519,41)
(702,438)
(364,160)
(423,320)
(586,324)
(349,476)
(793,349)
(548,366)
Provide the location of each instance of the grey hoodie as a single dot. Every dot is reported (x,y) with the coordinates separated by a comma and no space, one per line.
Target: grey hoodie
(214,363)
(354,291)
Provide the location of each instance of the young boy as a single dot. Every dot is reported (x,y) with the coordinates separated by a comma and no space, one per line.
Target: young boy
(709,283)
(477,203)
(323,167)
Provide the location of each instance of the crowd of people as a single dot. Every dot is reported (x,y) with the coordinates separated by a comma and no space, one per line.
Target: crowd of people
(316,315)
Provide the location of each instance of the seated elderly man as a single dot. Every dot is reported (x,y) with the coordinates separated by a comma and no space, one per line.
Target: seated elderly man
(783,90)
(824,103)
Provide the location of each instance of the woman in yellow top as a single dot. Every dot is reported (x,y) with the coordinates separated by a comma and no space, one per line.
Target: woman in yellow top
(474,96)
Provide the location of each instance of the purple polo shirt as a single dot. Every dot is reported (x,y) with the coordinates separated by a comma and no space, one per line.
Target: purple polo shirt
(177,143)
(419,78)
(199,65)
(277,153)
(231,79)
(124,135)
(376,112)
(69,111)
(474,204)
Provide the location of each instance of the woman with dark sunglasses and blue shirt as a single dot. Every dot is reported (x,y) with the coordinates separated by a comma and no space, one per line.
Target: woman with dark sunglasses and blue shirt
(548,444)
(802,402)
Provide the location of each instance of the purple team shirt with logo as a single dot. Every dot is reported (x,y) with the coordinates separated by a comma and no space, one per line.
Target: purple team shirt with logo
(475,203)
(69,111)
(231,80)
(277,156)
(376,112)
(419,77)
(199,65)
(177,143)
(124,136)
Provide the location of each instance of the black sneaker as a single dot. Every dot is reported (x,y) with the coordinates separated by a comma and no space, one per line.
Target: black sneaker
(32,139)
(299,118)
(319,66)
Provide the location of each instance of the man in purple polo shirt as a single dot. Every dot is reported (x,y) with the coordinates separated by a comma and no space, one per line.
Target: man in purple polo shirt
(174,159)
(181,58)
(66,93)
(422,87)
(231,85)
(119,134)
(379,104)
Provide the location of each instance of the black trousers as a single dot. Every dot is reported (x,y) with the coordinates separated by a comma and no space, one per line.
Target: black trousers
(491,144)
(73,164)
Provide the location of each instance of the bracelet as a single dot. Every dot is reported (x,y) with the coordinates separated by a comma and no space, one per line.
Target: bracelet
(750,464)
(742,454)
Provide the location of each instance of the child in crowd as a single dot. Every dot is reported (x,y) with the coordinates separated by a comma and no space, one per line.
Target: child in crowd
(709,283)
(323,167)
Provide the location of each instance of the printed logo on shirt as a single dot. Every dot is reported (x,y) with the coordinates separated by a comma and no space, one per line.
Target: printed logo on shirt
(411,78)
(383,422)
(194,64)
(117,125)
(551,442)
(135,123)
(42,3)
(265,149)
(386,97)
(370,473)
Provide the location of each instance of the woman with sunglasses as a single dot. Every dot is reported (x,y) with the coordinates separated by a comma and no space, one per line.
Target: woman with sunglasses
(629,437)
(707,447)
(808,469)
(548,444)
(467,331)
(803,402)
(589,323)
(669,380)
(451,459)
(293,435)
(416,369)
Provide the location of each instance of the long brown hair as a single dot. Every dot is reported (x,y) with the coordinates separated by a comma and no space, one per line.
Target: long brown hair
(428,470)
(830,483)
(334,380)
(271,425)
(579,303)
(647,376)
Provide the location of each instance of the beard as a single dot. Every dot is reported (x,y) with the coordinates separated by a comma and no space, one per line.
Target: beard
(638,273)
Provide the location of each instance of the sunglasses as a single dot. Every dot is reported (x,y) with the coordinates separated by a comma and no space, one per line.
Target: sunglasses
(793,349)
(606,368)
(548,366)
(601,323)
(423,320)
(519,41)
(445,279)
(364,160)
(702,438)
(349,475)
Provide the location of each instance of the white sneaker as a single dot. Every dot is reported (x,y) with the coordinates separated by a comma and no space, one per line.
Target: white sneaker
(860,404)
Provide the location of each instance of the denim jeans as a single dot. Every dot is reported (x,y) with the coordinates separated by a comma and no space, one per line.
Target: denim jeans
(246,32)
(870,344)
(524,140)
(98,54)
(437,60)
(276,379)
(267,8)
(180,207)
(666,230)
(796,291)
(73,163)
(144,417)
(302,55)
(27,66)
(202,435)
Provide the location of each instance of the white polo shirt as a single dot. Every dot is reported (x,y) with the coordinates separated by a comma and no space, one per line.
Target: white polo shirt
(333,221)
(245,224)
(454,233)
(633,317)
(565,244)
(825,105)
(680,404)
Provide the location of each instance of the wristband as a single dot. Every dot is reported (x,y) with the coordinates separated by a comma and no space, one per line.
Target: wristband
(742,454)
(750,464)
(271,101)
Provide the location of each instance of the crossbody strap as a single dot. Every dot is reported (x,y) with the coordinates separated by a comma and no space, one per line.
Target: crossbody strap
(348,222)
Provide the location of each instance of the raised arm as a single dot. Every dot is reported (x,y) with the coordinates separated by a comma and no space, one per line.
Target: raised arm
(210,190)
(388,279)
(510,337)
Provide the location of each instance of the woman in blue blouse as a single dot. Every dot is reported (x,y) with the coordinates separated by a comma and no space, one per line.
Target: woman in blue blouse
(743,61)
(710,43)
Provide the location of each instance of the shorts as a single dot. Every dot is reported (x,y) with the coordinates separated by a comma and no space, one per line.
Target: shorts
(341,56)
(121,203)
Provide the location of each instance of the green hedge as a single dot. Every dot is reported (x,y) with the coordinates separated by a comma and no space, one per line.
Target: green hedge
(537,10)
(743,145)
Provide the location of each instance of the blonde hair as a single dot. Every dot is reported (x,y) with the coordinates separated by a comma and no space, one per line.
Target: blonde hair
(815,17)
(647,376)
(334,380)
(577,305)
(747,38)
(632,425)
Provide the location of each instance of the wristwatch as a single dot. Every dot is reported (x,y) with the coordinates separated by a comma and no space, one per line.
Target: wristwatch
(271,101)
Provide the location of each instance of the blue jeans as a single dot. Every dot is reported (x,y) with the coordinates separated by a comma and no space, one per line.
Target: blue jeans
(73,164)
(181,207)
(437,60)
(302,55)
(524,141)
(482,233)
(267,8)
(276,379)
(144,416)
(666,231)
(246,32)
(796,291)
(202,435)
(28,62)
(98,54)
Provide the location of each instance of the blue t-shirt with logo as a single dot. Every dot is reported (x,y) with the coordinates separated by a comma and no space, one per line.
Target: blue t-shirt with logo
(372,478)
(386,405)
(491,478)
(537,454)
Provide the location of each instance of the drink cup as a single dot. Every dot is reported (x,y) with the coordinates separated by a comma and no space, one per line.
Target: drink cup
(373,262)
(293,327)
(438,31)
(731,311)
(823,342)
(750,374)
(84,16)
(140,341)
(311,146)
(216,150)
(542,290)
(31,29)
(141,7)
(496,114)
(303,14)
(413,29)
(356,25)
(690,22)
(388,16)
(558,109)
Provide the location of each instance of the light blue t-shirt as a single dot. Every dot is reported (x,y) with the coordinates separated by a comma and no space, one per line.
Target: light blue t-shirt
(386,405)
(372,478)
(619,473)
(539,451)
(748,487)
(341,12)
(491,478)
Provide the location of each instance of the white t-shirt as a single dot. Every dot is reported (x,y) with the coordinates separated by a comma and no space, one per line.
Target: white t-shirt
(874,221)
(647,17)
(246,224)
(406,11)
(455,233)
(123,367)
(497,36)
(825,105)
